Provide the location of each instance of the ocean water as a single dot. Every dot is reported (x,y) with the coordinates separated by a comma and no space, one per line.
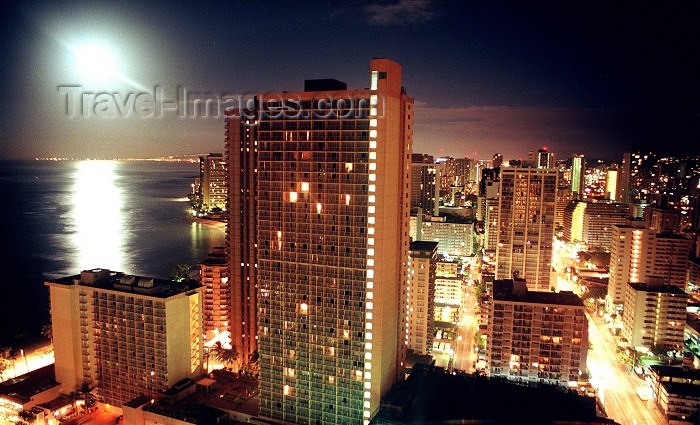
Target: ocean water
(58,218)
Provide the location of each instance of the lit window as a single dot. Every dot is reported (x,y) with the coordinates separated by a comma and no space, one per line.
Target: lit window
(304,186)
(369,334)
(370,285)
(370,295)
(371,209)
(372,177)
(370,306)
(368,385)
(319,207)
(370,220)
(279,234)
(370,241)
(373,134)
(372,166)
(370,273)
(347,199)
(373,144)
(372,188)
(368,375)
(373,85)
(368,356)
(369,317)
(373,112)
(293,196)
(304,308)
(373,155)
(373,122)
(370,262)
(367,394)
(370,251)
(348,166)
(285,391)
(370,230)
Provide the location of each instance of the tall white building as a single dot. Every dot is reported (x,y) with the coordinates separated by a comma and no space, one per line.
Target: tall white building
(333,192)
(526,225)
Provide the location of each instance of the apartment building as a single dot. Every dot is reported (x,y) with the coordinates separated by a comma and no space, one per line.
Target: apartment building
(421,296)
(212,177)
(526,225)
(454,235)
(654,314)
(638,253)
(536,336)
(213,274)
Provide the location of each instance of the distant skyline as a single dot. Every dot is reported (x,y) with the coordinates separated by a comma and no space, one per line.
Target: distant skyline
(590,77)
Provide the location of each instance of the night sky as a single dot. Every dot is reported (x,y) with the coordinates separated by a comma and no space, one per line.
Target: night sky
(590,77)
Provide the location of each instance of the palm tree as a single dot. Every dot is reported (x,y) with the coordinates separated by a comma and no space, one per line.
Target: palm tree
(85,391)
(181,273)
(225,355)
(47,331)
(26,417)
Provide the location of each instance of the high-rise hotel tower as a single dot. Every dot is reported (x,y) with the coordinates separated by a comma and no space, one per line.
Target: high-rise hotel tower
(332,184)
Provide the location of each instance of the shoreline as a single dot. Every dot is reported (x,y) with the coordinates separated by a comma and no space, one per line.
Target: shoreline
(210,222)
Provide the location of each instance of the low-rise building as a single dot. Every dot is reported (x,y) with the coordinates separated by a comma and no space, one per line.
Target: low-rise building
(28,391)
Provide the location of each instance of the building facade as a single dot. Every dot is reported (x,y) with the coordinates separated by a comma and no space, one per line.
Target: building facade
(421,295)
(654,315)
(592,222)
(638,253)
(241,231)
(454,236)
(526,225)
(536,336)
(212,177)
(127,335)
(333,187)
(630,259)
(213,274)
(424,190)
(578,174)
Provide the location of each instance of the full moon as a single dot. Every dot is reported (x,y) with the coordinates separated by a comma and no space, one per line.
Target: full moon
(94,62)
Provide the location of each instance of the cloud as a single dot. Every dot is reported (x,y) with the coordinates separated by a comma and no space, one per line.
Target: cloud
(403,12)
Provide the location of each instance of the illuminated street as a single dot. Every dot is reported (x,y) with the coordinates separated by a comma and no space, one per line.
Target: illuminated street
(36,359)
(617,388)
(464,356)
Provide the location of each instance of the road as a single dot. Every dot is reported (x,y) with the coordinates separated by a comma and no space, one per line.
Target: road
(464,356)
(616,385)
